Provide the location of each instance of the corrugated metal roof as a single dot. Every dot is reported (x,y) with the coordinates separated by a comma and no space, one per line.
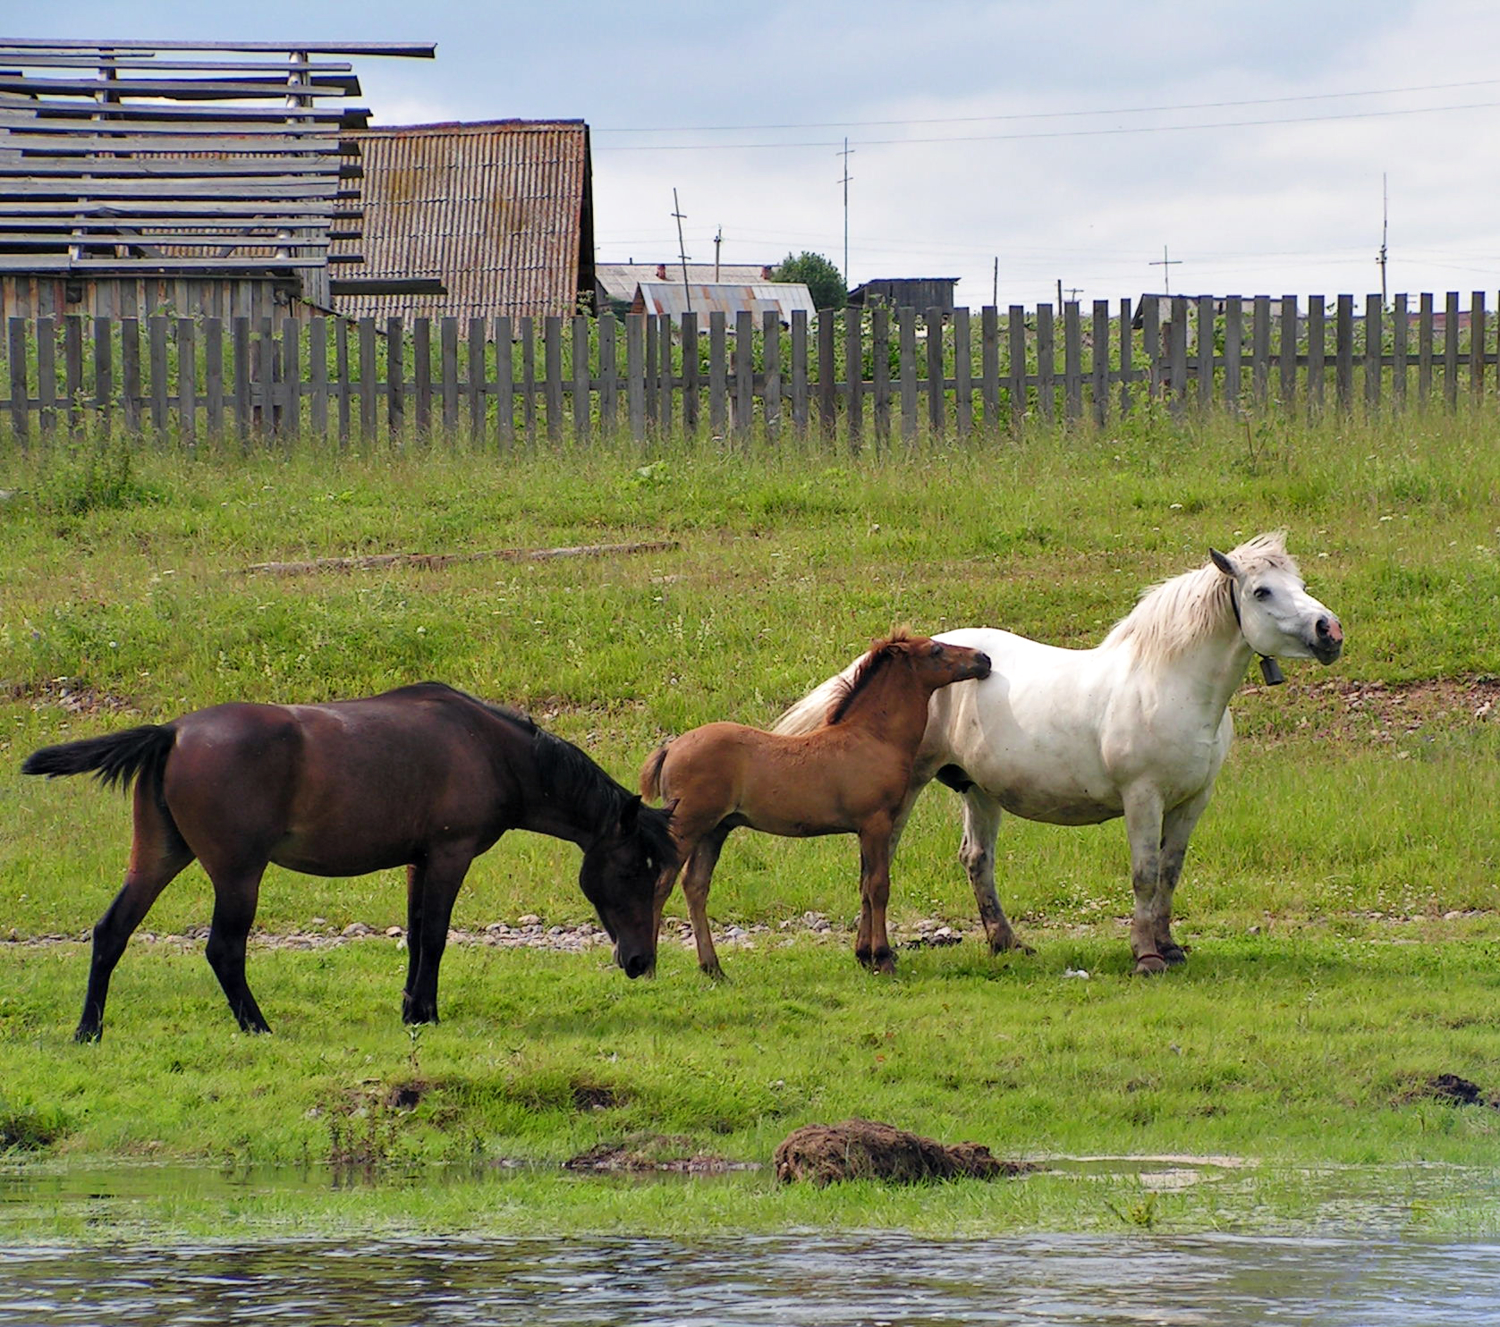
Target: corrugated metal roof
(619,280)
(703,298)
(501,212)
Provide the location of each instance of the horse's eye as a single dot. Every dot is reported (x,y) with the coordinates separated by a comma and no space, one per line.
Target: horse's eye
(1262,591)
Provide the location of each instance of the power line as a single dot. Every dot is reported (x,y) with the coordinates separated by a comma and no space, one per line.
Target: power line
(1048,115)
(1117,131)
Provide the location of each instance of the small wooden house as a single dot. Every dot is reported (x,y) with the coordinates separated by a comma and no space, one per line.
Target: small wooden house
(924,292)
(179,176)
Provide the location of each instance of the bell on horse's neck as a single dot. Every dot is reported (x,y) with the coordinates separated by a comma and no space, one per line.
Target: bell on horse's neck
(1271,671)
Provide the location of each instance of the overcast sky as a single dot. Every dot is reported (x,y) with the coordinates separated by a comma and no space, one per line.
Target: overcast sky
(1074,141)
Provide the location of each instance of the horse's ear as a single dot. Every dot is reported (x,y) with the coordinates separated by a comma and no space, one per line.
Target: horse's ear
(1224,563)
(630,815)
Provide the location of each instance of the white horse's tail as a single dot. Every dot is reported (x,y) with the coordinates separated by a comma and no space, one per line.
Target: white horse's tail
(810,712)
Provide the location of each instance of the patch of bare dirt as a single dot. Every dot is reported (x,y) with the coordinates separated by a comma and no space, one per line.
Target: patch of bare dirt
(1346,710)
(64,693)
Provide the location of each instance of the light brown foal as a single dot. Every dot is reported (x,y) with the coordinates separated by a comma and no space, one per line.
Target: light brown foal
(848,776)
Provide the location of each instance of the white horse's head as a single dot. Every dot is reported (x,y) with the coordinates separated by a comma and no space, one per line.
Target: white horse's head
(1277,616)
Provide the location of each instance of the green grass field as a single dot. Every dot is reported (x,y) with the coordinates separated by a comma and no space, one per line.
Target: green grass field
(1340,895)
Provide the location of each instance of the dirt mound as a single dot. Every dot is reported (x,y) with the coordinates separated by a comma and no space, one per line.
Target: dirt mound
(864,1149)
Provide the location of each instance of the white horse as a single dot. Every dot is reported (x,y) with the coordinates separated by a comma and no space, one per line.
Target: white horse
(1136,727)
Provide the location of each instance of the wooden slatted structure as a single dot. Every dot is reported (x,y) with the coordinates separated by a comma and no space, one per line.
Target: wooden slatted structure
(204,177)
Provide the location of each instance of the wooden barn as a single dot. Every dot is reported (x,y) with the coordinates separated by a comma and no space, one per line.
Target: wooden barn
(907,292)
(178,177)
(500,212)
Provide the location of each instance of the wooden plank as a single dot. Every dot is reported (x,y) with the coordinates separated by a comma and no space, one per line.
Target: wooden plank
(240,352)
(1206,324)
(651,328)
(1374,350)
(130,372)
(1099,361)
(1260,349)
(906,332)
(369,387)
(46,374)
(156,347)
(1450,349)
(665,376)
(317,376)
(718,373)
(104,375)
(635,372)
(1046,363)
(395,369)
(448,374)
(187,381)
(937,397)
(1234,349)
(854,375)
(213,376)
(1072,362)
(505,378)
(20,413)
(828,405)
(526,335)
(1151,346)
(744,372)
(800,397)
(1287,351)
(1425,319)
(770,346)
(1127,356)
(880,373)
(989,367)
(553,367)
(474,379)
(1343,351)
(73,369)
(1400,322)
(1316,356)
(1476,345)
(692,373)
(582,399)
(963,374)
(609,374)
(1015,379)
(421,360)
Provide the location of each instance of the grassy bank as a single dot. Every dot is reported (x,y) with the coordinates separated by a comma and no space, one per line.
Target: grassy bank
(1340,895)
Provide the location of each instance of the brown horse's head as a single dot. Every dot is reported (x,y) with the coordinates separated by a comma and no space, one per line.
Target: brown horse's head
(932,664)
(619,875)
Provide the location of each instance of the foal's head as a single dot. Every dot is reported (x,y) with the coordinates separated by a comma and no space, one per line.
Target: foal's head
(918,663)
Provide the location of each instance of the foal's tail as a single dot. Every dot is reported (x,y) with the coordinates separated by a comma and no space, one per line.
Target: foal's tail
(117,758)
(651,773)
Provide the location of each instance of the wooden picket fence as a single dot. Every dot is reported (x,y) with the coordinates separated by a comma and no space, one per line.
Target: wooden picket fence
(857,375)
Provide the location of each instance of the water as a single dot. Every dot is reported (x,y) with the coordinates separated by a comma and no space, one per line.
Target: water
(788,1281)
(1353,1268)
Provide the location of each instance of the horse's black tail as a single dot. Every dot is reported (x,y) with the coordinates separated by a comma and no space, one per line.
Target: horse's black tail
(117,758)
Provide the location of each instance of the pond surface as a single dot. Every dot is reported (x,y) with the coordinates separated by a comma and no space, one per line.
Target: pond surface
(1354,1267)
(783,1280)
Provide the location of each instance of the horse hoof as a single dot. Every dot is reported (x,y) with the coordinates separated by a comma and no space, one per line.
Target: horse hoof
(1149,965)
(1175,955)
(85,1035)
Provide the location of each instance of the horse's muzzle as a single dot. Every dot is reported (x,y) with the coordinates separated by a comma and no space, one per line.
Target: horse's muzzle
(637,964)
(981,665)
(1328,642)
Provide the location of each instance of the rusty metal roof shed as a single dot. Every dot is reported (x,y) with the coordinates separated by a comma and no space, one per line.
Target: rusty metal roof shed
(500,211)
(672,298)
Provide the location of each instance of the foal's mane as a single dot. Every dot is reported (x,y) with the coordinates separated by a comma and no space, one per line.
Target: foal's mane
(1174,613)
(875,661)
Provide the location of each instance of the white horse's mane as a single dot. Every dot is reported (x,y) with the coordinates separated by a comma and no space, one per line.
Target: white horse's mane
(1173,614)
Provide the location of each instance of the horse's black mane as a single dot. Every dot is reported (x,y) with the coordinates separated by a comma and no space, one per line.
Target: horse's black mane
(876,658)
(569,774)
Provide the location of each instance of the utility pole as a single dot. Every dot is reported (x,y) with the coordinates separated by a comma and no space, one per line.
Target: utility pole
(846,153)
(1385,222)
(718,240)
(995,285)
(687,291)
(1166,263)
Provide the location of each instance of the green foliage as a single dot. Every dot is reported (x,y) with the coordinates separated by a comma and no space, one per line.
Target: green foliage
(822,278)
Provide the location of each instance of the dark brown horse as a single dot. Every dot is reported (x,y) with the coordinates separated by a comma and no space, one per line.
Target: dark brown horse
(848,776)
(424,777)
